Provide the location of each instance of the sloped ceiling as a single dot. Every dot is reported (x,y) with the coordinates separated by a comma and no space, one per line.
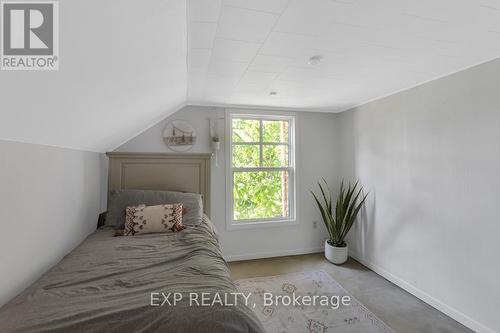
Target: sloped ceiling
(122,68)
(241,50)
(124,65)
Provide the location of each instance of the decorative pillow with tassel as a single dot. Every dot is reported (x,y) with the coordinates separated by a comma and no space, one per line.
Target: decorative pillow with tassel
(144,219)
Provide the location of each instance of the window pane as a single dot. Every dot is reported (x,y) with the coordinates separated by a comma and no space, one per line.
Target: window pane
(275,130)
(275,155)
(246,156)
(260,194)
(246,130)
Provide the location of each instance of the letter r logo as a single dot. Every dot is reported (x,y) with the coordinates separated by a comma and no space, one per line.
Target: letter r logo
(28,28)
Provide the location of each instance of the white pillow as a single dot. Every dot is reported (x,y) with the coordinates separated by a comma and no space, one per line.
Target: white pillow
(144,219)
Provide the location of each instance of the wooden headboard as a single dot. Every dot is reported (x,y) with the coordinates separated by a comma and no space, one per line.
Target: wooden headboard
(161,171)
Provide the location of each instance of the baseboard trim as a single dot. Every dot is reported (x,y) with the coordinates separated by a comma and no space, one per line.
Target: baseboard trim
(446,309)
(272,254)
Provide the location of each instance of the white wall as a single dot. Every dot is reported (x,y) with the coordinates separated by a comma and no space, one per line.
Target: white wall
(50,199)
(316,158)
(430,157)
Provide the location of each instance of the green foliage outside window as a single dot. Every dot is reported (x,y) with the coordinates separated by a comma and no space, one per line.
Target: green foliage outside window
(260,193)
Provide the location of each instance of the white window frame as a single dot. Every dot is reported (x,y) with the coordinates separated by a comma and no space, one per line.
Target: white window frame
(292,204)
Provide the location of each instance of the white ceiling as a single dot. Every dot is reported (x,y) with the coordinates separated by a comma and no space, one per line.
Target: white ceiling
(122,68)
(240,50)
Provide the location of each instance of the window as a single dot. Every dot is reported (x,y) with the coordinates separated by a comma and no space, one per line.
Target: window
(261,187)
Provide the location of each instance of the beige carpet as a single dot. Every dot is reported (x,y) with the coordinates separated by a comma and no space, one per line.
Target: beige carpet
(328,314)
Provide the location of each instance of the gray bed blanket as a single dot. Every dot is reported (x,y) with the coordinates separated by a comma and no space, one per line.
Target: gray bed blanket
(107,284)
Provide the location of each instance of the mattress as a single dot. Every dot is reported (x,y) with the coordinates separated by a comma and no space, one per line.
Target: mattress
(128,284)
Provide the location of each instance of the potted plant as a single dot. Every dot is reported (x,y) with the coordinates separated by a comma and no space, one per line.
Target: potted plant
(215,143)
(338,222)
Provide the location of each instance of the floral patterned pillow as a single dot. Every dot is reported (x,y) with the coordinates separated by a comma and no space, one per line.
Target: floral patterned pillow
(144,219)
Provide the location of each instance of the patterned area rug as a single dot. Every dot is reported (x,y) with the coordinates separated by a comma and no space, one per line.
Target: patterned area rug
(303,316)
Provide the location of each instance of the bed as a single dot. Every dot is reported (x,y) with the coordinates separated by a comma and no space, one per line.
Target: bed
(122,284)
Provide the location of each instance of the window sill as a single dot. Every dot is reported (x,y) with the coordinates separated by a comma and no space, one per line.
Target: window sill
(232,226)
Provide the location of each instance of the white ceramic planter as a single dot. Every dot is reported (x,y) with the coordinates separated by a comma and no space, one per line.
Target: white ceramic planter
(215,145)
(335,255)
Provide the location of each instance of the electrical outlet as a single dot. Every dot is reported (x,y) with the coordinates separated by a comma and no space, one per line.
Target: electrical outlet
(315,224)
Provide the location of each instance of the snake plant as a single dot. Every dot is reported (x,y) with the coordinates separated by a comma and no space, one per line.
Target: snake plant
(338,222)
